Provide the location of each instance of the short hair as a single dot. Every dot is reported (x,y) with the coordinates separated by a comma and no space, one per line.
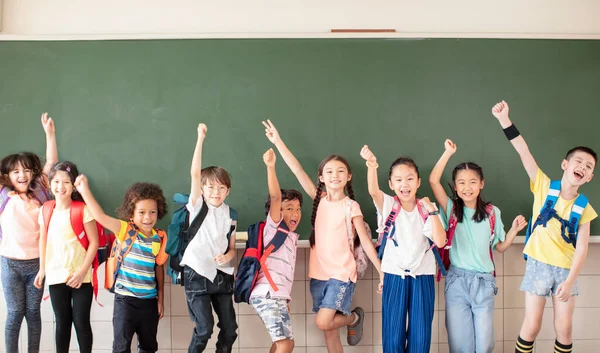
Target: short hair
(213,173)
(286,195)
(583,149)
(142,191)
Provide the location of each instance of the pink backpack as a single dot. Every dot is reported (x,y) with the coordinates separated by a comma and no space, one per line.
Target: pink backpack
(360,256)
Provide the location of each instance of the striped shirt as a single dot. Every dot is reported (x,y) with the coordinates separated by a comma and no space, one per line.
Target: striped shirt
(136,276)
(281,265)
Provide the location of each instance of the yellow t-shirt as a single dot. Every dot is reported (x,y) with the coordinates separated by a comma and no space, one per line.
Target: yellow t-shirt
(64,253)
(546,243)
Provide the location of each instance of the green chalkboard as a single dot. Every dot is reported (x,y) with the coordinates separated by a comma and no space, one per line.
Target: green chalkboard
(127,111)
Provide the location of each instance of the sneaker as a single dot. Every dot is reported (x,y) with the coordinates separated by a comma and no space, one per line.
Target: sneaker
(355,332)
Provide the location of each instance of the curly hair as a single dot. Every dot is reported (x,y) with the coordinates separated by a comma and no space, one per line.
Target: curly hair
(142,191)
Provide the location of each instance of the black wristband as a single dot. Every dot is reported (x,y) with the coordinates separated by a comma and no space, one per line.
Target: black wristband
(511,132)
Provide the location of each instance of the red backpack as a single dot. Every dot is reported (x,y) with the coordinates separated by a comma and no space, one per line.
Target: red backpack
(452,223)
(105,239)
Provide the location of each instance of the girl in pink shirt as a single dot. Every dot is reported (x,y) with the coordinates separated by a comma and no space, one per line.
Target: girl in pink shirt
(332,267)
(23,189)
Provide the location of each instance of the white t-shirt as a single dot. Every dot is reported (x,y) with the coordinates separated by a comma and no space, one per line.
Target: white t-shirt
(412,235)
(209,241)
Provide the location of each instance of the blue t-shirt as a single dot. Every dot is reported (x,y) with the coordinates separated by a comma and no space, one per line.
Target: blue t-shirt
(471,243)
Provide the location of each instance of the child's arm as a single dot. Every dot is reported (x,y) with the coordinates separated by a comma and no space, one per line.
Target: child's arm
(159,270)
(38,282)
(563,292)
(517,225)
(75,279)
(110,223)
(438,232)
(372,180)
(500,111)
(307,184)
(196,169)
(367,244)
(51,150)
(273,183)
(436,175)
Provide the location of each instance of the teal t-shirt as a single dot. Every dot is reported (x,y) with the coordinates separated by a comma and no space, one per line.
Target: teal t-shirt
(471,243)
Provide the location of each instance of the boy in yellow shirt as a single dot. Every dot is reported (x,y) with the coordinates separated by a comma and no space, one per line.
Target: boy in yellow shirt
(556,249)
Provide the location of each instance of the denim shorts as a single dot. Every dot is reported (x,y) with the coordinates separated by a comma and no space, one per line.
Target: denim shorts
(543,279)
(332,294)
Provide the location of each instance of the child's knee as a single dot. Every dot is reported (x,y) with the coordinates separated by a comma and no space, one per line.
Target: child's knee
(284,346)
(323,323)
(564,330)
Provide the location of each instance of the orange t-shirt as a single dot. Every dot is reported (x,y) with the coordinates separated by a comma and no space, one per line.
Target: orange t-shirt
(331,256)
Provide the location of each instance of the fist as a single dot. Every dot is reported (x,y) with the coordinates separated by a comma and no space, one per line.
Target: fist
(367,155)
(450,146)
(426,203)
(202,129)
(269,157)
(81,183)
(519,223)
(500,110)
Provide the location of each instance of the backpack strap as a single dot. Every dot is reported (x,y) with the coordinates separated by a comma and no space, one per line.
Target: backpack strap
(349,226)
(389,227)
(273,246)
(492,221)
(234,217)
(193,228)
(77,223)
(3,198)
(123,249)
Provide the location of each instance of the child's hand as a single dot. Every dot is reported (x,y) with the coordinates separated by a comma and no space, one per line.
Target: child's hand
(269,158)
(450,146)
(161,310)
(380,286)
(81,184)
(202,129)
(271,132)
(75,280)
(426,203)
(222,260)
(563,292)
(48,124)
(367,155)
(519,223)
(500,111)
(38,282)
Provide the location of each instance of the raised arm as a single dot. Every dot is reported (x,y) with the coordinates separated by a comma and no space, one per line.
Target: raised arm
(273,184)
(372,179)
(51,149)
(273,135)
(500,111)
(517,225)
(196,168)
(436,175)
(110,223)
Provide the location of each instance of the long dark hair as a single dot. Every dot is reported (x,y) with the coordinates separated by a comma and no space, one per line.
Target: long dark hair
(71,169)
(459,204)
(29,161)
(320,186)
(406,161)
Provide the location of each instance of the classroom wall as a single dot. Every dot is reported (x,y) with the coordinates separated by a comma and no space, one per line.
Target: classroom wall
(175,328)
(271,18)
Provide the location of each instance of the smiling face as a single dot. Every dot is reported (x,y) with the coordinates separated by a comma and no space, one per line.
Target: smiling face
(335,175)
(145,215)
(20,178)
(405,182)
(468,185)
(579,168)
(214,192)
(61,186)
(291,211)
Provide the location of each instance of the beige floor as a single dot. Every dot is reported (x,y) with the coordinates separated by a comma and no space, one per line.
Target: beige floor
(175,329)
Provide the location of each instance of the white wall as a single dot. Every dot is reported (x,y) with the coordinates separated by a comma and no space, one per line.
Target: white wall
(70,19)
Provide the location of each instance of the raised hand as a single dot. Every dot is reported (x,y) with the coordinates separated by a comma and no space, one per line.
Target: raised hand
(269,158)
(48,124)
(450,146)
(500,110)
(271,132)
(202,129)
(367,155)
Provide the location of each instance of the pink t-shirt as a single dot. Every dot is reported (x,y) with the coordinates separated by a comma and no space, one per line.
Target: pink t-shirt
(281,265)
(20,228)
(331,256)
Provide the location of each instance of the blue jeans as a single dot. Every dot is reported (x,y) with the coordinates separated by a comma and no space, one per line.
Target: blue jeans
(470,311)
(23,300)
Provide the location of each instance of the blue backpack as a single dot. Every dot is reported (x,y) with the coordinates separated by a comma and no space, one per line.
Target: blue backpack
(181,232)
(254,260)
(568,228)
